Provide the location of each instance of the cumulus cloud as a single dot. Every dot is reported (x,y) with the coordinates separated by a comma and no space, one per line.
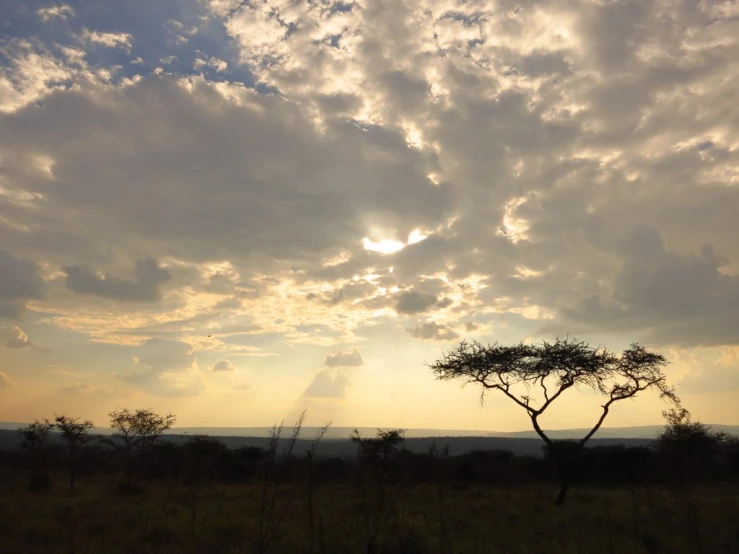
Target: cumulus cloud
(13,337)
(61,11)
(414,302)
(328,383)
(433,331)
(350,358)
(214,63)
(223,365)
(150,276)
(107,39)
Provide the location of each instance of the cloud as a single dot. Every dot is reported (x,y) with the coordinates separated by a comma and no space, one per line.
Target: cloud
(214,63)
(150,276)
(433,331)
(75,388)
(108,40)
(21,278)
(414,302)
(5,382)
(223,365)
(62,11)
(20,281)
(160,355)
(13,337)
(350,358)
(676,298)
(170,369)
(30,73)
(328,383)
(533,148)
(710,381)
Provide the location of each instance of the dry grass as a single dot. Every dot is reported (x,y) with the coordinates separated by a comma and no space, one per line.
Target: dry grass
(94,519)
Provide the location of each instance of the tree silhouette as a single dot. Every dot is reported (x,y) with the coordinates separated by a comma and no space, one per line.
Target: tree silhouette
(35,439)
(552,368)
(75,434)
(137,432)
(377,457)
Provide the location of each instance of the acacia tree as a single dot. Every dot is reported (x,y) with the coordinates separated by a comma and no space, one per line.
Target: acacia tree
(75,434)
(377,457)
(534,376)
(34,439)
(137,432)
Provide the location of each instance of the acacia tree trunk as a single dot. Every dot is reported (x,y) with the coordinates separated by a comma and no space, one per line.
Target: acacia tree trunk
(564,486)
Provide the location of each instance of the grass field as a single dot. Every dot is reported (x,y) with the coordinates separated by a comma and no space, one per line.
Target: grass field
(178,519)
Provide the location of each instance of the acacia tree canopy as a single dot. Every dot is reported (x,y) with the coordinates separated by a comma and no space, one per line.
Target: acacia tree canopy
(552,368)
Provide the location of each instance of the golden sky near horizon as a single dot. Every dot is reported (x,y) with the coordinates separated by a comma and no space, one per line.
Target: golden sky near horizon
(238,210)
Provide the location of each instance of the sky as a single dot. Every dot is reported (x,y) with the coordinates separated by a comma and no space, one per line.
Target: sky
(236,210)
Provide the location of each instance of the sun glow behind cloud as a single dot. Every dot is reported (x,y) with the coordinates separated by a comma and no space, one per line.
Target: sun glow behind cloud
(391,246)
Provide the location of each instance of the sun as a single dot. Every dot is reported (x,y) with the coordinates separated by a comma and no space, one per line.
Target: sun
(385,246)
(391,246)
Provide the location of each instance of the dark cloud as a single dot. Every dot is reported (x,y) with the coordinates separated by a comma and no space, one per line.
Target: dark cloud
(350,358)
(682,299)
(150,277)
(20,281)
(433,331)
(414,302)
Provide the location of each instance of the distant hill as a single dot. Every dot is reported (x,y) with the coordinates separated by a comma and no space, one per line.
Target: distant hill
(640,432)
(336,441)
(343,447)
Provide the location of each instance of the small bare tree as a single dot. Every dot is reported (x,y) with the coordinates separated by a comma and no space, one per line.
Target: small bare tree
(377,457)
(137,432)
(151,426)
(35,440)
(310,456)
(75,434)
(552,369)
(270,517)
(688,450)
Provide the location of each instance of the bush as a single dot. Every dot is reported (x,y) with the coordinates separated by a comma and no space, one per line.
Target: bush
(40,482)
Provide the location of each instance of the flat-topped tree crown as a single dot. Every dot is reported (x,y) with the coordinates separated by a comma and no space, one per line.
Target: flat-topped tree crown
(551,368)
